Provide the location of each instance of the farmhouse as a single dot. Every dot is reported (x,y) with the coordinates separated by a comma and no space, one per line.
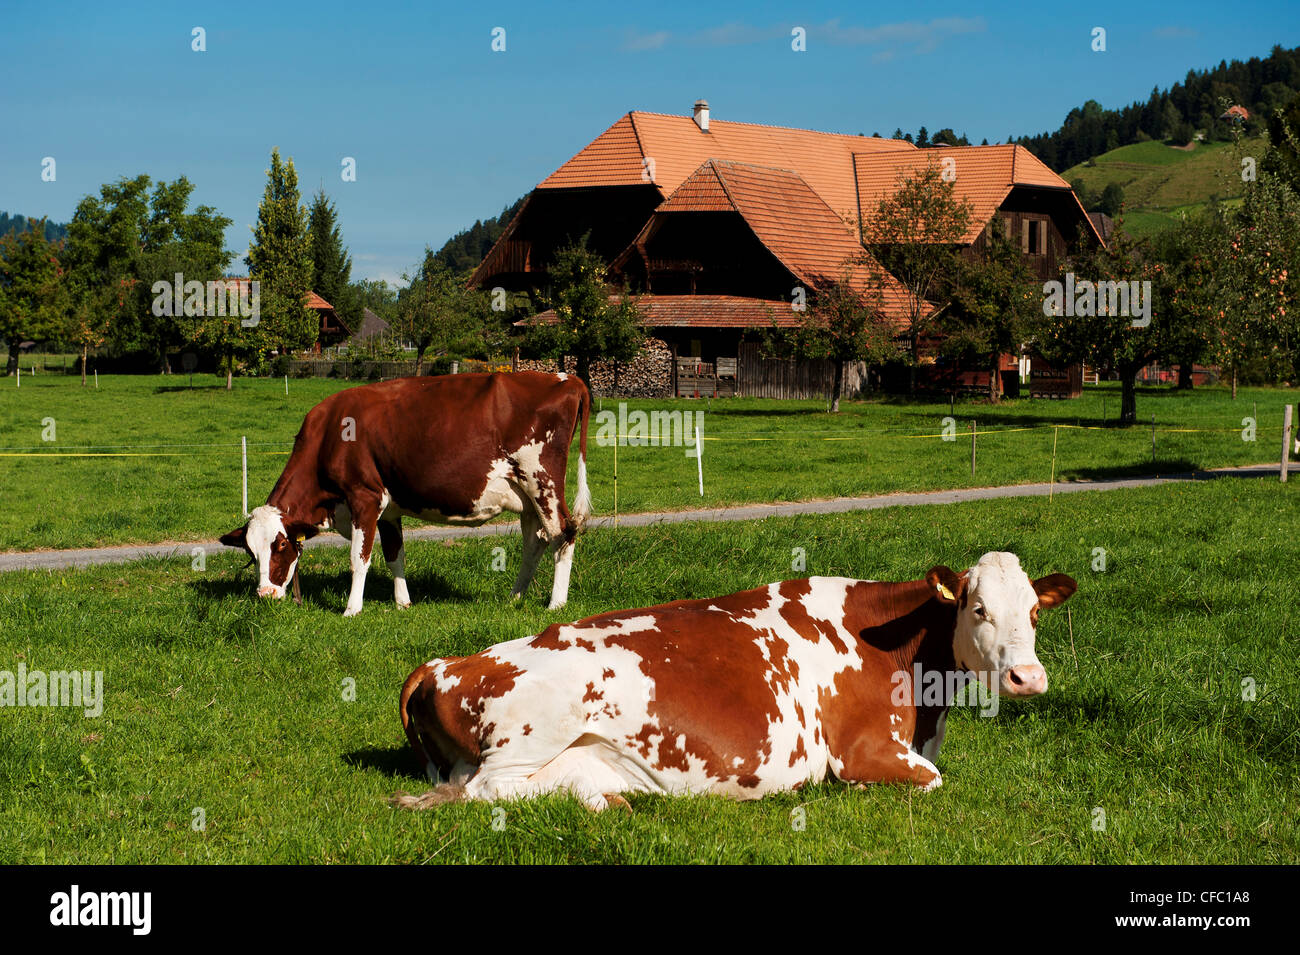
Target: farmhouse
(724,227)
(332,330)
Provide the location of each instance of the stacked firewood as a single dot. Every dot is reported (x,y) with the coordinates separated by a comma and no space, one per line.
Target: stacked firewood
(648,376)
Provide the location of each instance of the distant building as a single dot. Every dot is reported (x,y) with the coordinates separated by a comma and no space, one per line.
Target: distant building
(716,225)
(372,326)
(1102,224)
(332,329)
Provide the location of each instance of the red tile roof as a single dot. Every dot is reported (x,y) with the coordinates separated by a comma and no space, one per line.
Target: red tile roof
(983,174)
(791,220)
(313,300)
(677,146)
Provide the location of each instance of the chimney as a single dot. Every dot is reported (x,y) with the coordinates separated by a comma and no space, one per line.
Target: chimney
(702,114)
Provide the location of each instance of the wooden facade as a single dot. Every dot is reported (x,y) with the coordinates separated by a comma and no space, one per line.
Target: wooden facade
(1050,381)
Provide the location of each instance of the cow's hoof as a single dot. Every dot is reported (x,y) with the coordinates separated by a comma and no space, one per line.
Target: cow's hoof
(615,801)
(351,611)
(556,606)
(403,605)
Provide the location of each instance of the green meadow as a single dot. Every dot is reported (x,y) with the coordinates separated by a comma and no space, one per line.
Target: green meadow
(146,459)
(239,730)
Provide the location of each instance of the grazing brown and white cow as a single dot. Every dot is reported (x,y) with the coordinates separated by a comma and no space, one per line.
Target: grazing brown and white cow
(743,695)
(458,449)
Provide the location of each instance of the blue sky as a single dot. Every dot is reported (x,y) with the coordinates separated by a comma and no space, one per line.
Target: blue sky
(445,131)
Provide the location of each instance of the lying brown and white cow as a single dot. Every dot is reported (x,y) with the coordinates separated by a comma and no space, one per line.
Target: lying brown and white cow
(458,449)
(743,695)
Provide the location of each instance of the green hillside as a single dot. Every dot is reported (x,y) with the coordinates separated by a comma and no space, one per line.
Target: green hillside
(1161,181)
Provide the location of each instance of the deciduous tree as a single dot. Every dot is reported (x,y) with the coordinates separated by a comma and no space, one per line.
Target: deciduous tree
(595,321)
(994,306)
(913,233)
(31,289)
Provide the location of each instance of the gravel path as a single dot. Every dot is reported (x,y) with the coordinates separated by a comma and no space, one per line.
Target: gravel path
(59,559)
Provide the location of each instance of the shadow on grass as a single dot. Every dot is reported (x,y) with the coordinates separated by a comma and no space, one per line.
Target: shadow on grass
(399,762)
(169,389)
(1266,734)
(1162,468)
(721,409)
(1175,467)
(330,591)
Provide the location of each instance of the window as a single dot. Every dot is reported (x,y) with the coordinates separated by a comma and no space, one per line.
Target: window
(1033,236)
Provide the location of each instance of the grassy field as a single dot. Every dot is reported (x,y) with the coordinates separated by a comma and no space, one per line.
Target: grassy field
(162,461)
(1160,181)
(217,702)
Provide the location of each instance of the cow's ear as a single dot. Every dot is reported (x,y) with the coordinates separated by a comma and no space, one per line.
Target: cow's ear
(235,538)
(1054,590)
(300,531)
(946,584)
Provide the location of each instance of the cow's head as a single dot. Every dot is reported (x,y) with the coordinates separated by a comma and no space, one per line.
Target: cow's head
(997,611)
(274,546)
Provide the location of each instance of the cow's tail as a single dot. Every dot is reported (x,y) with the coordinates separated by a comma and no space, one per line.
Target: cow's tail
(437,796)
(443,792)
(412,734)
(582,503)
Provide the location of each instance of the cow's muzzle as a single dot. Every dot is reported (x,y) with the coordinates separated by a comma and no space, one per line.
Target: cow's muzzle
(1029,679)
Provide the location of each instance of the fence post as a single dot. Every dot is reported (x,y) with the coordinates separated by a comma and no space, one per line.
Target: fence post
(699,458)
(243,443)
(1286,442)
(1051,484)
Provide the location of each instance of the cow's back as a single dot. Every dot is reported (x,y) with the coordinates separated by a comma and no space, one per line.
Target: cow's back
(432,443)
(718,695)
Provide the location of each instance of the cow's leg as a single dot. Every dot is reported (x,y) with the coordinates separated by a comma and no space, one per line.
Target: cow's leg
(888,761)
(390,539)
(545,489)
(365,517)
(530,526)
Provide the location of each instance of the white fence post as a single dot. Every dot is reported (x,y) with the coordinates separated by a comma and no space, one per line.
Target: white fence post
(699,458)
(1286,442)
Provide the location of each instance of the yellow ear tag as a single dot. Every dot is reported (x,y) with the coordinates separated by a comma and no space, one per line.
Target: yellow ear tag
(945,592)
(300,538)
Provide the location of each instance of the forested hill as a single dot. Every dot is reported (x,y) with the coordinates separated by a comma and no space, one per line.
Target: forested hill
(54,232)
(1177,114)
(466,249)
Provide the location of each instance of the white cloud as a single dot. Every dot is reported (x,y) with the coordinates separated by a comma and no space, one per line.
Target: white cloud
(919,37)
(635,41)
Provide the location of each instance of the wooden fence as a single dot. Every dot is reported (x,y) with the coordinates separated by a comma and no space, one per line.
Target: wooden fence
(326,368)
(760,377)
